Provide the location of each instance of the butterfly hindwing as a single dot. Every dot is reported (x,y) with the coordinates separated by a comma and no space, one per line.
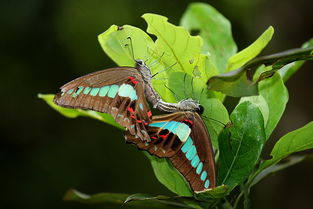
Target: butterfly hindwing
(183,138)
(117,91)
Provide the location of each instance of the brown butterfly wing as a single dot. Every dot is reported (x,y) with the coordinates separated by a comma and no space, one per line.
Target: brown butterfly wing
(190,151)
(102,92)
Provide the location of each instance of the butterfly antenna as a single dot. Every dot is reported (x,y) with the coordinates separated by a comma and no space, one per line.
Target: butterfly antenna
(131,47)
(176,96)
(192,92)
(163,70)
(157,60)
(185,84)
(200,94)
(207,118)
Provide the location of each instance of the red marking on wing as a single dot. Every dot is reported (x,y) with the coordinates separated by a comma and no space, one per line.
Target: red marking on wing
(153,137)
(164,136)
(189,122)
(138,121)
(149,113)
(130,109)
(132,79)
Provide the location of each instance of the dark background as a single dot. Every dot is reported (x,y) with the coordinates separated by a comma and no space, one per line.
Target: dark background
(47,43)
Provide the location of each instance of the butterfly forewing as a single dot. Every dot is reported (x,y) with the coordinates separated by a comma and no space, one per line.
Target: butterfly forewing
(117,91)
(183,138)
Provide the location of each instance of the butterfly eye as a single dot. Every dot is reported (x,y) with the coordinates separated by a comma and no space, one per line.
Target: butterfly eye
(139,62)
(200,110)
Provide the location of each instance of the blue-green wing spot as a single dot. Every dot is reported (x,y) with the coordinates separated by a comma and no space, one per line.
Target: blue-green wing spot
(127,90)
(187,145)
(86,90)
(94,91)
(104,90)
(203,175)
(141,106)
(199,168)
(195,161)
(70,91)
(207,184)
(113,90)
(177,128)
(78,91)
(191,152)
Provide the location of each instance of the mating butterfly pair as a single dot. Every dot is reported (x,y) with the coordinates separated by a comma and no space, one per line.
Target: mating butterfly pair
(181,136)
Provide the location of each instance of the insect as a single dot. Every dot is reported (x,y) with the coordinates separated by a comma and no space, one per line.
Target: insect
(123,92)
(183,138)
(118,91)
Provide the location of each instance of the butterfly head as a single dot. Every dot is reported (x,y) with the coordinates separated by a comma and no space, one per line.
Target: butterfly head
(143,69)
(190,105)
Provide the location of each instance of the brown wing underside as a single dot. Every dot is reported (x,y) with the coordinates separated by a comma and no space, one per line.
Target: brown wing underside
(132,114)
(171,147)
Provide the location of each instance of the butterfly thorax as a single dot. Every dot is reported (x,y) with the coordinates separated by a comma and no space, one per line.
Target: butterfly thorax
(151,95)
(183,105)
(154,98)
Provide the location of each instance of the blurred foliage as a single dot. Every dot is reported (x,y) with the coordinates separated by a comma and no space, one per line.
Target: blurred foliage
(47,43)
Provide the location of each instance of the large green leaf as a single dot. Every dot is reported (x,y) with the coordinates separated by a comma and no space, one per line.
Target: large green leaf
(73,113)
(295,141)
(241,144)
(243,81)
(181,49)
(276,96)
(245,55)
(169,176)
(215,30)
(119,199)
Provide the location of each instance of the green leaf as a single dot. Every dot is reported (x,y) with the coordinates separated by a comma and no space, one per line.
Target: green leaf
(117,46)
(73,113)
(277,167)
(243,81)
(215,115)
(295,141)
(288,70)
(115,198)
(241,144)
(181,49)
(276,96)
(181,52)
(169,176)
(215,30)
(181,202)
(261,103)
(213,195)
(118,199)
(242,57)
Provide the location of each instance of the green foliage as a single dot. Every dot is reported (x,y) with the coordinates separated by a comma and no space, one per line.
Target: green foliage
(244,81)
(169,176)
(295,141)
(245,55)
(240,148)
(215,30)
(197,67)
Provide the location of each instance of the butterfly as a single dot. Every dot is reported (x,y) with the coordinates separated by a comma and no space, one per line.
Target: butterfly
(182,137)
(119,91)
